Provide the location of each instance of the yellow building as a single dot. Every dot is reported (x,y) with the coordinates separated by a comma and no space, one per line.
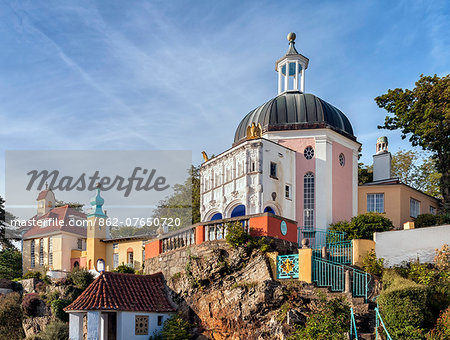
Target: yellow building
(63,238)
(398,201)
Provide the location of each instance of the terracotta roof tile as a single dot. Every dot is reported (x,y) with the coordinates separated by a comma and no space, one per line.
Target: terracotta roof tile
(124,292)
(42,194)
(57,214)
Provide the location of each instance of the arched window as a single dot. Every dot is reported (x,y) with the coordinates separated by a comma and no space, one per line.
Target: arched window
(130,256)
(76,264)
(308,200)
(41,252)
(238,211)
(216,216)
(33,253)
(269,210)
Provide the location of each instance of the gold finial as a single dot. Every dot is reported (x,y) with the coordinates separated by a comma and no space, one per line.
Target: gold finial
(291,37)
(205,156)
(254,131)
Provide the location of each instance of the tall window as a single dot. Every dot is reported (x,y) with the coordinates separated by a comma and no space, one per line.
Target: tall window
(50,251)
(273,169)
(414,207)
(41,252)
(33,254)
(375,203)
(308,200)
(115,260)
(287,191)
(80,244)
(130,258)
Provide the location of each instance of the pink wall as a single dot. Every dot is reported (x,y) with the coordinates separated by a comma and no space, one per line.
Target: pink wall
(303,166)
(342,183)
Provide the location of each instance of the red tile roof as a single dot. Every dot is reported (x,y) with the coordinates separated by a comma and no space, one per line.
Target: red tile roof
(42,194)
(57,214)
(124,292)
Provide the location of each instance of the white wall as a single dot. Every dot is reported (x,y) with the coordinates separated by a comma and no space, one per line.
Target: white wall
(406,245)
(126,325)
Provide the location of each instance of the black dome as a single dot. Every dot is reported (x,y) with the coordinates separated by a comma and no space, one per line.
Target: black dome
(295,111)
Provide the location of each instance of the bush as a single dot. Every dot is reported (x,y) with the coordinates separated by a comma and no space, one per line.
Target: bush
(33,275)
(403,306)
(124,269)
(442,329)
(10,264)
(10,317)
(176,328)
(57,309)
(372,265)
(56,330)
(442,259)
(236,235)
(427,220)
(80,278)
(30,304)
(329,321)
(363,226)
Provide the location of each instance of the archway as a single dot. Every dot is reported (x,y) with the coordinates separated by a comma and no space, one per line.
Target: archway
(269,210)
(76,264)
(238,211)
(216,216)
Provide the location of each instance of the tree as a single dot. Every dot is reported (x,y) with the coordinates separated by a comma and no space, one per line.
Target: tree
(5,241)
(74,205)
(10,263)
(363,226)
(365,173)
(423,114)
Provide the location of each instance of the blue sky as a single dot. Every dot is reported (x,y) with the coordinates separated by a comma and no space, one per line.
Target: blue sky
(182,74)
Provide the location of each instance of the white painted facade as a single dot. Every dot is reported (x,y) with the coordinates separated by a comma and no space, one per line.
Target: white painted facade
(408,245)
(126,324)
(241,176)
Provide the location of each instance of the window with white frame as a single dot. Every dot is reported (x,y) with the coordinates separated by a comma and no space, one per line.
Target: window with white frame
(41,252)
(432,210)
(414,207)
(287,191)
(80,244)
(273,169)
(115,260)
(375,203)
(50,251)
(308,200)
(115,246)
(33,253)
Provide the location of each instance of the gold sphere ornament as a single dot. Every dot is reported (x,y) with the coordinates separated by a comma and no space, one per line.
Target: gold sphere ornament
(291,36)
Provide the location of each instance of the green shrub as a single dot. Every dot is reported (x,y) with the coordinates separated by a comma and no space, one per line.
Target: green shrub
(427,220)
(329,321)
(363,226)
(10,264)
(57,309)
(33,275)
(403,306)
(236,235)
(80,278)
(176,328)
(442,329)
(124,269)
(373,265)
(30,304)
(10,317)
(56,330)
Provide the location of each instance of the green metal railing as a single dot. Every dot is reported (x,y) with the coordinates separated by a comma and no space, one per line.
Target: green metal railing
(360,283)
(353,331)
(380,323)
(319,238)
(340,252)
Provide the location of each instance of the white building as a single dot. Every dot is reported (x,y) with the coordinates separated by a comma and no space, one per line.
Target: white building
(295,156)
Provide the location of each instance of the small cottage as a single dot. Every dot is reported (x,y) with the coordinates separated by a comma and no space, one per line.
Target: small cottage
(120,306)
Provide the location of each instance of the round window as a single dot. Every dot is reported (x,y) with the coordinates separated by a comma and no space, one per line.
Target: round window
(342,159)
(309,152)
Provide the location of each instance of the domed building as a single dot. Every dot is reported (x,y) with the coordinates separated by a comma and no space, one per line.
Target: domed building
(295,156)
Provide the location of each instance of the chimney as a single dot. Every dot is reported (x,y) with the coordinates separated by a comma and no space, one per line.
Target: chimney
(382,160)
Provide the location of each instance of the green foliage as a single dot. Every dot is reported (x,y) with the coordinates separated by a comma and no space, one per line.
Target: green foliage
(124,269)
(404,307)
(372,265)
(74,205)
(236,235)
(427,220)
(176,328)
(10,264)
(30,304)
(10,317)
(80,278)
(329,321)
(365,173)
(442,329)
(57,309)
(363,226)
(56,330)
(33,275)
(423,114)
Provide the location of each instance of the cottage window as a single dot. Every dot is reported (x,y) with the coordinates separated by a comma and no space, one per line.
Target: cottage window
(432,210)
(375,203)
(141,325)
(308,200)
(160,320)
(33,254)
(41,252)
(130,258)
(414,207)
